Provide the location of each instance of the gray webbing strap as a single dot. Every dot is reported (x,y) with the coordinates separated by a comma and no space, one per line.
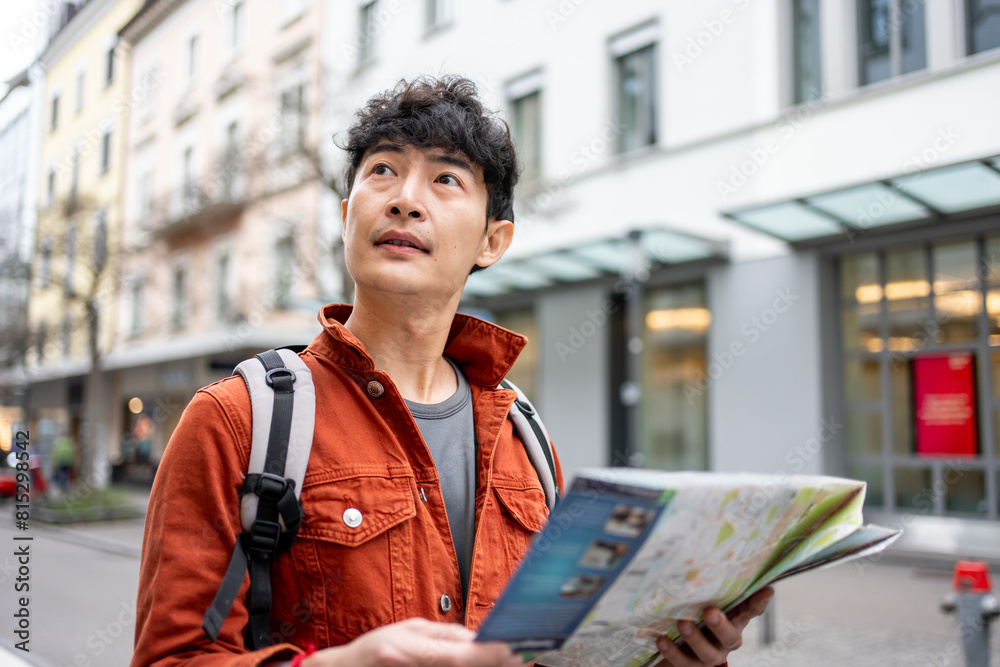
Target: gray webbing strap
(536,442)
(303,421)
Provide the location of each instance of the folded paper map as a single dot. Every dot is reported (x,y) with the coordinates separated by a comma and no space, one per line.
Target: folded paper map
(628,553)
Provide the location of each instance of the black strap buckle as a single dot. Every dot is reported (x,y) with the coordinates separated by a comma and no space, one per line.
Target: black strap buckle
(263,539)
(269,486)
(280,379)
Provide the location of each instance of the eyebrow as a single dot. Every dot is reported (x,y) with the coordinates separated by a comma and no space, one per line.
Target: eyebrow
(448,159)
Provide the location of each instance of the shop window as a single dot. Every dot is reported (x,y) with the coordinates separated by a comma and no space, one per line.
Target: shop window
(914,352)
(673,412)
(524,373)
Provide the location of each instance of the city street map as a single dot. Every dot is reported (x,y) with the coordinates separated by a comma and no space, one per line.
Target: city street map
(629,552)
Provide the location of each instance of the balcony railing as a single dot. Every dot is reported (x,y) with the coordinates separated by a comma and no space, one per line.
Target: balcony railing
(200,204)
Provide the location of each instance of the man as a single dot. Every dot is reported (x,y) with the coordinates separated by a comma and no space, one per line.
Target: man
(419,499)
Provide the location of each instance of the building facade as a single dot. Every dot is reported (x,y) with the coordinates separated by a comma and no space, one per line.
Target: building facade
(750,236)
(75,268)
(226,254)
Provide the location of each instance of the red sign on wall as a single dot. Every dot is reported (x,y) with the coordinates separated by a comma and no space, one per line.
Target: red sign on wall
(944,392)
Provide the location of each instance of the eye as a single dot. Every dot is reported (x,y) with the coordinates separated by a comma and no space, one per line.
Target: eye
(448,179)
(381,170)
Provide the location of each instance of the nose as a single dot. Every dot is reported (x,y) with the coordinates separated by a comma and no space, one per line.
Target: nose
(408,200)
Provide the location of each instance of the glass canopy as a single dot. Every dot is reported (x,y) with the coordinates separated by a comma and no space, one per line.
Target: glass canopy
(595,259)
(929,195)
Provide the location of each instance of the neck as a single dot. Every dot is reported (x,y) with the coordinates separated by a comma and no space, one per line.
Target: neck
(406,339)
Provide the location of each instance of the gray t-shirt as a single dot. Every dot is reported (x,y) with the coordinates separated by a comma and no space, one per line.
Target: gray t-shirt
(449,432)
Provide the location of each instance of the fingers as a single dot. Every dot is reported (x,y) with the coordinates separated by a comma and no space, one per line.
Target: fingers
(752,607)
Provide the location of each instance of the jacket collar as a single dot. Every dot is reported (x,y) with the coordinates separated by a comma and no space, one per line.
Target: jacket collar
(485,352)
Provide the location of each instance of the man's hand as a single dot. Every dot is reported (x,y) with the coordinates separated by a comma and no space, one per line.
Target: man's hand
(416,642)
(722,635)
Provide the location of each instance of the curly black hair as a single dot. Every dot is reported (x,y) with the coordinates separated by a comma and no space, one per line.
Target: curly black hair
(440,113)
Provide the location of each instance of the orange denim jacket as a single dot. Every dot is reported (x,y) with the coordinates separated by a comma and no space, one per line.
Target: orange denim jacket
(336,582)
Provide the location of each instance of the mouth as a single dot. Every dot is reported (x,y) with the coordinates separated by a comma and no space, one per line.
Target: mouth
(401,241)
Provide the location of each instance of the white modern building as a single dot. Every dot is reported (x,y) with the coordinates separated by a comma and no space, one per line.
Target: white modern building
(750,235)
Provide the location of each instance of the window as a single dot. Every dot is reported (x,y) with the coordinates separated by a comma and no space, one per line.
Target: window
(292,133)
(892,38)
(42,337)
(438,12)
(284,275)
(138,288)
(45,266)
(524,372)
(105,151)
(914,336)
(982,23)
(149,85)
(222,304)
(635,63)
(179,306)
(79,89)
(191,70)
(145,199)
(54,118)
(100,239)
(74,173)
(236,26)
(69,246)
(189,193)
(65,333)
(673,415)
(367,29)
(526,122)
(109,66)
(230,168)
(50,188)
(808,84)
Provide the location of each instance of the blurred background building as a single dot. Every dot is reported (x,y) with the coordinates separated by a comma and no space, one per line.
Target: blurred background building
(750,235)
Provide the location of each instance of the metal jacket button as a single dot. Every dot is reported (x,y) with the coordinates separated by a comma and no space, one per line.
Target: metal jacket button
(445,603)
(375,389)
(353,517)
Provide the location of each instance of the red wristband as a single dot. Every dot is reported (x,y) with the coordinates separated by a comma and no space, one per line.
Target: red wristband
(297,660)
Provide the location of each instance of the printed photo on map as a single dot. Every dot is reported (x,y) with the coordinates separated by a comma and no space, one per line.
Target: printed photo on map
(602,554)
(628,521)
(580,586)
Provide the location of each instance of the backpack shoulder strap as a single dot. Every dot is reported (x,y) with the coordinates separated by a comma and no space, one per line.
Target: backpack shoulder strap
(266,429)
(283,409)
(536,442)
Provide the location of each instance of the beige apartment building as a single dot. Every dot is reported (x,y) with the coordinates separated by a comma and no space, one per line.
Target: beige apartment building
(224,253)
(71,317)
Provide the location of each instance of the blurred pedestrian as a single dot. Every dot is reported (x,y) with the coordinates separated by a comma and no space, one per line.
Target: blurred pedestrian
(64,455)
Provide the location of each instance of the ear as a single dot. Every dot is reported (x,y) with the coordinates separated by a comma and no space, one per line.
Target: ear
(499,234)
(343,217)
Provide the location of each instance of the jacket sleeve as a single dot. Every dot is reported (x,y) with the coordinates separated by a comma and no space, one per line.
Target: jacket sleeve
(191,527)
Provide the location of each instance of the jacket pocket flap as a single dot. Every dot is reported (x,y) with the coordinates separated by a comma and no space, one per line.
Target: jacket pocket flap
(353,510)
(527,506)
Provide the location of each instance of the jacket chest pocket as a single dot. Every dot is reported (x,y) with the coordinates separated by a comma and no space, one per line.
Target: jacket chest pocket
(357,544)
(523,514)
